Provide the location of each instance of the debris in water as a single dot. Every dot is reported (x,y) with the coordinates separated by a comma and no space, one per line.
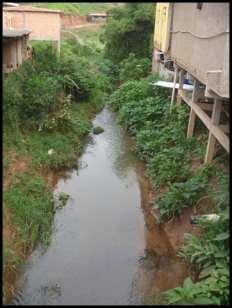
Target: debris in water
(51,151)
(98,130)
(61,200)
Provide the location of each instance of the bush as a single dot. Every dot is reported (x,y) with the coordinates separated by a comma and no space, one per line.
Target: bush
(132,26)
(183,194)
(133,68)
(33,93)
(39,96)
(130,91)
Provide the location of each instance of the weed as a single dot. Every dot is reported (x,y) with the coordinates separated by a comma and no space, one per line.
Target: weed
(32,205)
(183,194)
(61,200)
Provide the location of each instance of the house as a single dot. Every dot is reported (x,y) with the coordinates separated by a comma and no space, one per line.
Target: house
(96,17)
(191,45)
(15,48)
(44,24)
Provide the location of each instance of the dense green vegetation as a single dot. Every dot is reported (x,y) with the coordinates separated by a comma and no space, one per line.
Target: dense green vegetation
(208,255)
(160,140)
(132,25)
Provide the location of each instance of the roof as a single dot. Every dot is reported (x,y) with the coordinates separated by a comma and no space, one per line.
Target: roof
(30,9)
(15,33)
(97,14)
(10,4)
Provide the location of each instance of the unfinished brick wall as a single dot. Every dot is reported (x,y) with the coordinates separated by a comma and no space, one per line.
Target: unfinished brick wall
(44,25)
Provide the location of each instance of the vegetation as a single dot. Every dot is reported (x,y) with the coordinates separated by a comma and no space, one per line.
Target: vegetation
(48,104)
(208,255)
(132,25)
(80,8)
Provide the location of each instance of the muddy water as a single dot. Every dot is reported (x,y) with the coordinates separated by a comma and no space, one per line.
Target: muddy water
(106,247)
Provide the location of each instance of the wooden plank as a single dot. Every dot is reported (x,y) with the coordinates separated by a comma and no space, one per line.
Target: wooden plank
(214,129)
(206,106)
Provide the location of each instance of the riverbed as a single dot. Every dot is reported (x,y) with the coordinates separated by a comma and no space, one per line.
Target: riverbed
(106,247)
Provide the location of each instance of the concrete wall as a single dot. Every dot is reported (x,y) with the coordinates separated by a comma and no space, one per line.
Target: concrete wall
(199,42)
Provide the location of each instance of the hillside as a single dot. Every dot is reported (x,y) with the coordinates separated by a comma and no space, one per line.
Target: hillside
(74,7)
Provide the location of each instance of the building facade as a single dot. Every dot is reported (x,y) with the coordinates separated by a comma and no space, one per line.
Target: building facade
(44,24)
(191,45)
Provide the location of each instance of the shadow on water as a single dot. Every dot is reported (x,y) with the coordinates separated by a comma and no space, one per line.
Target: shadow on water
(106,247)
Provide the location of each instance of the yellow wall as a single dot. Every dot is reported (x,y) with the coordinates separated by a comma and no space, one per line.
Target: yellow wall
(162,26)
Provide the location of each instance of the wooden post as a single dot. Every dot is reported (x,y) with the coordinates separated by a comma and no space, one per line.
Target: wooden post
(181,83)
(192,116)
(174,85)
(191,124)
(217,107)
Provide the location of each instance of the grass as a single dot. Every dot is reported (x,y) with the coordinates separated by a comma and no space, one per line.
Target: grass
(75,7)
(32,205)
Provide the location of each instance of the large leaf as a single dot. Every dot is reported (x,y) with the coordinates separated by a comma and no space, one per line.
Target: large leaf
(222,236)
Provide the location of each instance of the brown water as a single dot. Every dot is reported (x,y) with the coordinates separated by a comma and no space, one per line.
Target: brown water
(106,247)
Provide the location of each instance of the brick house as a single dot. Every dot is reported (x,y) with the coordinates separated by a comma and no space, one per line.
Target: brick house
(44,24)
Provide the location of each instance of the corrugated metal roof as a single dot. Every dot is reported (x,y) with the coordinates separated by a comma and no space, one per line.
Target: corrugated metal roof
(15,33)
(30,9)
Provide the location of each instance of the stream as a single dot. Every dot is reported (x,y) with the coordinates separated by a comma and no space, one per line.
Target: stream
(106,248)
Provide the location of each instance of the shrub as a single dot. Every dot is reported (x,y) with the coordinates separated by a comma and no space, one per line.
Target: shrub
(39,97)
(183,194)
(132,26)
(130,91)
(133,68)
(77,76)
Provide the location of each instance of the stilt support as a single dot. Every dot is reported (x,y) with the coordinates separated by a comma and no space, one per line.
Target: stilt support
(217,107)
